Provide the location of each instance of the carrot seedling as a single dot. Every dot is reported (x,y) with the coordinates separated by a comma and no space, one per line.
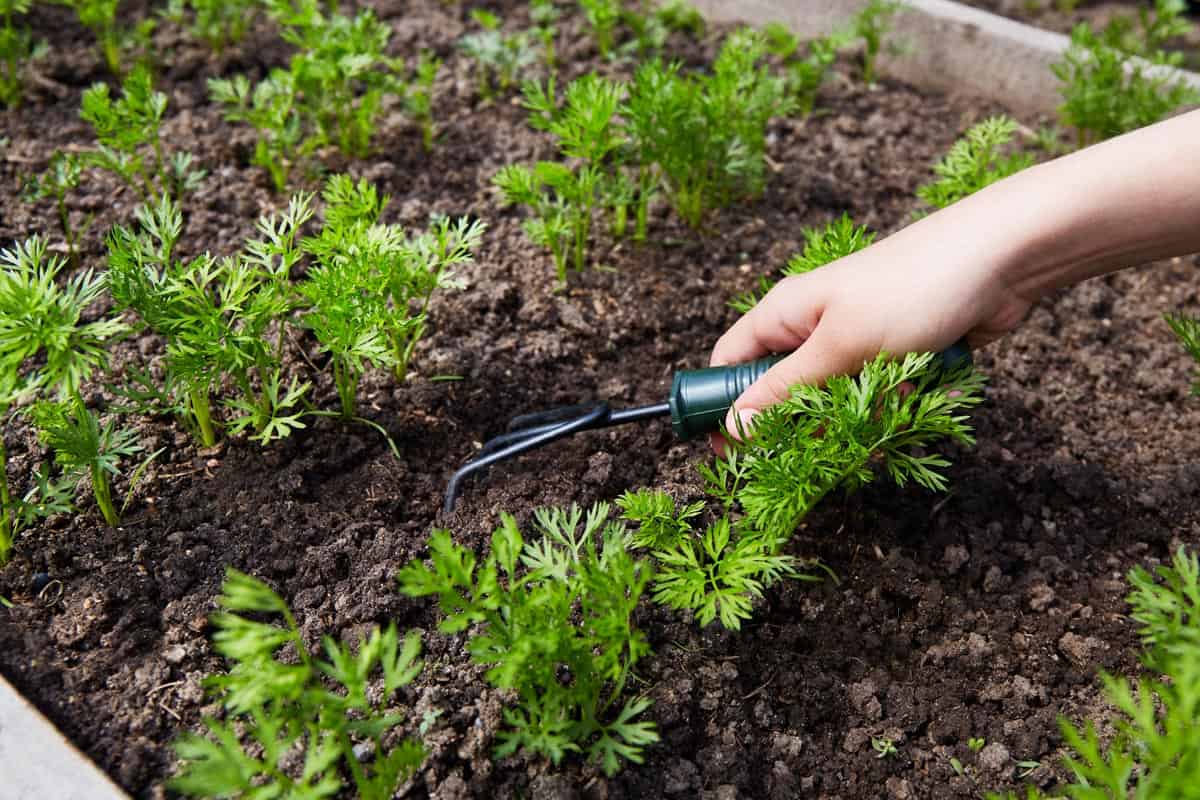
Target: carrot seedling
(822,246)
(129,130)
(821,439)
(60,179)
(333,92)
(367,292)
(85,448)
(805,76)
(565,196)
(552,618)
(46,349)
(18,50)
(1112,81)
(224,322)
(1187,329)
(706,134)
(976,160)
(285,705)
(217,23)
(870,26)
(115,41)
(500,59)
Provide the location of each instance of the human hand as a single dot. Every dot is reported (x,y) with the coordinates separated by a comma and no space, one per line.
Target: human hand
(896,297)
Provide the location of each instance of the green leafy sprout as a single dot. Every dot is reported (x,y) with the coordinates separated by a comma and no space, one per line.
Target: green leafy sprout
(129,131)
(1156,749)
(552,618)
(224,321)
(1119,79)
(60,178)
(705,134)
(975,161)
(332,93)
(115,41)
(18,51)
(83,447)
(870,26)
(367,294)
(218,23)
(501,59)
(1187,329)
(46,350)
(805,75)
(295,721)
(819,440)
(565,196)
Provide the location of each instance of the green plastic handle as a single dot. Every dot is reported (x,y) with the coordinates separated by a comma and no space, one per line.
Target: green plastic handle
(700,398)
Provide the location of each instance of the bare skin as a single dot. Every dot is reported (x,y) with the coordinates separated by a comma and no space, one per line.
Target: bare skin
(976,268)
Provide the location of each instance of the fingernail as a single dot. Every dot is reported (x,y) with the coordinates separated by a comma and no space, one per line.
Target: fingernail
(740,421)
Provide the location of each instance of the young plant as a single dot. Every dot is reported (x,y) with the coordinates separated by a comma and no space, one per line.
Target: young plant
(500,60)
(341,70)
(271,107)
(45,349)
(129,133)
(60,178)
(545,15)
(224,321)
(822,246)
(100,17)
(419,100)
(217,23)
(718,574)
(552,618)
(975,161)
(84,447)
(797,452)
(1155,751)
(1113,80)
(333,92)
(602,16)
(565,196)
(871,25)
(295,722)
(652,23)
(706,134)
(18,49)
(367,293)
(805,76)
(1188,330)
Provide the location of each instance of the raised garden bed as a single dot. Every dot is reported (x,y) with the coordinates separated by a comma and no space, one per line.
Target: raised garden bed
(982,614)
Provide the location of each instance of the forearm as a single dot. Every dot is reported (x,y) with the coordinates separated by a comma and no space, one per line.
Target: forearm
(1132,199)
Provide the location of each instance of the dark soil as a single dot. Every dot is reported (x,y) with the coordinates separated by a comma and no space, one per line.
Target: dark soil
(983,613)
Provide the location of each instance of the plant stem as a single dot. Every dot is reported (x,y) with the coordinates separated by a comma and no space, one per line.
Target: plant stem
(202,411)
(347,382)
(6,523)
(103,493)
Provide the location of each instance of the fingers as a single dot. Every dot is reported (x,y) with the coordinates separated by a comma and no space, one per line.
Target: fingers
(821,356)
(780,322)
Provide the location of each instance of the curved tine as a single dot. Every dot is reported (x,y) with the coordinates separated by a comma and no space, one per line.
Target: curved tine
(593,418)
(541,419)
(505,439)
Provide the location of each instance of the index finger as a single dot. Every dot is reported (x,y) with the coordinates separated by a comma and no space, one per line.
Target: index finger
(781,322)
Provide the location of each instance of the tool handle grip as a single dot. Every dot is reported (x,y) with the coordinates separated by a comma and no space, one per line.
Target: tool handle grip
(700,398)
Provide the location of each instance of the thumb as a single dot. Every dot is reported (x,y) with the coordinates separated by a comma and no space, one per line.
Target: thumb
(820,357)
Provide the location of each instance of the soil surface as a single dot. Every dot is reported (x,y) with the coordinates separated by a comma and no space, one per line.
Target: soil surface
(983,613)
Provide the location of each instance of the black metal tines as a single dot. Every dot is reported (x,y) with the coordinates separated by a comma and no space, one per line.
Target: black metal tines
(531,431)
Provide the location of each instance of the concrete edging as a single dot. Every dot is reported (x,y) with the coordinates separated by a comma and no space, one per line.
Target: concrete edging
(38,763)
(945,46)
